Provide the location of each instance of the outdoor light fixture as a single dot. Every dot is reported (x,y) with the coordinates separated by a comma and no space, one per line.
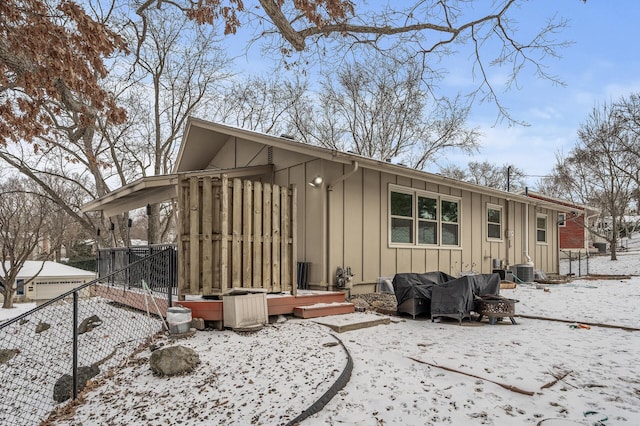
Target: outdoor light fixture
(316,182)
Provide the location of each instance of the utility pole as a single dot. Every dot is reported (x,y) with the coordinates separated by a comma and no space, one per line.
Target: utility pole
(508,178)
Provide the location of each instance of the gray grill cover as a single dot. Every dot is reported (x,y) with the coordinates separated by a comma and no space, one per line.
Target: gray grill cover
(417,286)
(446,294)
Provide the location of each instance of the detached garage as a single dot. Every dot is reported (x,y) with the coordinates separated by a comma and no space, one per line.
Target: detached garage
(39,281)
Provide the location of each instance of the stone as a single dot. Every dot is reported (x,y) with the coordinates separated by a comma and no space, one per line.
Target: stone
(197,323)
(63,389)
(42,326)
(89,324)
(173,360)
(7,354)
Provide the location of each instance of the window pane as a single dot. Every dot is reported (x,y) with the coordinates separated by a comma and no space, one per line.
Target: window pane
(427,232)
(449,234)
(401,230)
(493,231)
(401,204)
(493,216)
(542,222)
(450,211)
(427,208)
(542,236)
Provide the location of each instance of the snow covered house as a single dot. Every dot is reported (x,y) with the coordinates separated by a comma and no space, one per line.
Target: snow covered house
(39,281)
(337,213)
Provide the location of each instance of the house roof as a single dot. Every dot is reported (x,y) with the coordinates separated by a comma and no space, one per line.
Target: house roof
(155,189)
(202,140)
(588,210)
(51,269)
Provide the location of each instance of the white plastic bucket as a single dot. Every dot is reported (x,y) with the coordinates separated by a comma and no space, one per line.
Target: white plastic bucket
(179,319)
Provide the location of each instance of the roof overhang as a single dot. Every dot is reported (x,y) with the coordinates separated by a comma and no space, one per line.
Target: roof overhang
(156,189)
(568,205)
(203,139)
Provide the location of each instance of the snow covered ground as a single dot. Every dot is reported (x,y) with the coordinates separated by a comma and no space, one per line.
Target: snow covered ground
(409,372)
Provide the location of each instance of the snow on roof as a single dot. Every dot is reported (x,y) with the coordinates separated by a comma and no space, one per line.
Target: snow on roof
(51,270)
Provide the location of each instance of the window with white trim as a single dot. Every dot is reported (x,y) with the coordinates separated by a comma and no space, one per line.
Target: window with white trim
(421,218)
(494,222)
(541,228)
(562,219)
(401,208)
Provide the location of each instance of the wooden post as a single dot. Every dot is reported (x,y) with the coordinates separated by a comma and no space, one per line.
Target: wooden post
(275,255)
(194,235)
(258,241)
(224,234)
(267,281)
(183,218)
(247,215)
(284,241)
(236,241)
(216,243)
(207,232)
(294,239)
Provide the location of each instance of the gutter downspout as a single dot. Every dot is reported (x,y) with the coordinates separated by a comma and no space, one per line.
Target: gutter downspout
(526,227)
(330,187)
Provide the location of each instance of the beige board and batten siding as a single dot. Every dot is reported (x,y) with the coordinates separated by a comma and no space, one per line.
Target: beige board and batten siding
(349,225)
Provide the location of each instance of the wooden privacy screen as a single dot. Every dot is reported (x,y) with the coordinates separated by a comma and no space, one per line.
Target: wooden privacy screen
(235,234)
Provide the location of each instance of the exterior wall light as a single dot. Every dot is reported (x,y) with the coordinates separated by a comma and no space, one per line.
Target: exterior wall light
(316,182)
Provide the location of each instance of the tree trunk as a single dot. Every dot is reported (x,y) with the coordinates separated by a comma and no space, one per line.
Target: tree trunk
(614,239)
(153,224)
(7,303)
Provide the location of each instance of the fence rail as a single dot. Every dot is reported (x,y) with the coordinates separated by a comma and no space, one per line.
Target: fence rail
(48,354)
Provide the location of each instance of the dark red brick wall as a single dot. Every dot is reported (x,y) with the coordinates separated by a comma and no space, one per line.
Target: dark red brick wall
(572,235)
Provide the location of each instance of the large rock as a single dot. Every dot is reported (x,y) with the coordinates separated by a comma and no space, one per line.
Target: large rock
(89,324)
(42,326)
(173,360)
(63,389)
(7,354)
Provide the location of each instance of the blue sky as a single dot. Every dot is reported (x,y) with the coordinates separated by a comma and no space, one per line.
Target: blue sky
(602,64)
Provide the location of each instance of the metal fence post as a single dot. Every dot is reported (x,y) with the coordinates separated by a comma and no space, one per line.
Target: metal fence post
(579,263)
(587,255)
(570,262)
(75,345)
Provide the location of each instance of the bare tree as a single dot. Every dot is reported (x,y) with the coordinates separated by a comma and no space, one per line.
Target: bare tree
(170,78)
(455,172)
(592,172)
(426,30)
(23,226)
(506,177)
(264,104)
(380,110)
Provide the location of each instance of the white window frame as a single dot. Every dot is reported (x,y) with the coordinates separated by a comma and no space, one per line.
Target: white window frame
(500,224)
(562,220)
(415,193)
(402,190)
(546,228)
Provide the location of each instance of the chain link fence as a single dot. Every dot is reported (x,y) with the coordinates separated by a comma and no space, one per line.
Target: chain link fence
(574,263)
(48,354)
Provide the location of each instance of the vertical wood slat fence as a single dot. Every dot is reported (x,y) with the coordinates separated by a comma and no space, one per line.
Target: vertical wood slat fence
(235,234)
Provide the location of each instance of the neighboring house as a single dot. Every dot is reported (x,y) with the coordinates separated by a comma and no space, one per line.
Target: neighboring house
(374,217)
(51,280)
(573,225)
